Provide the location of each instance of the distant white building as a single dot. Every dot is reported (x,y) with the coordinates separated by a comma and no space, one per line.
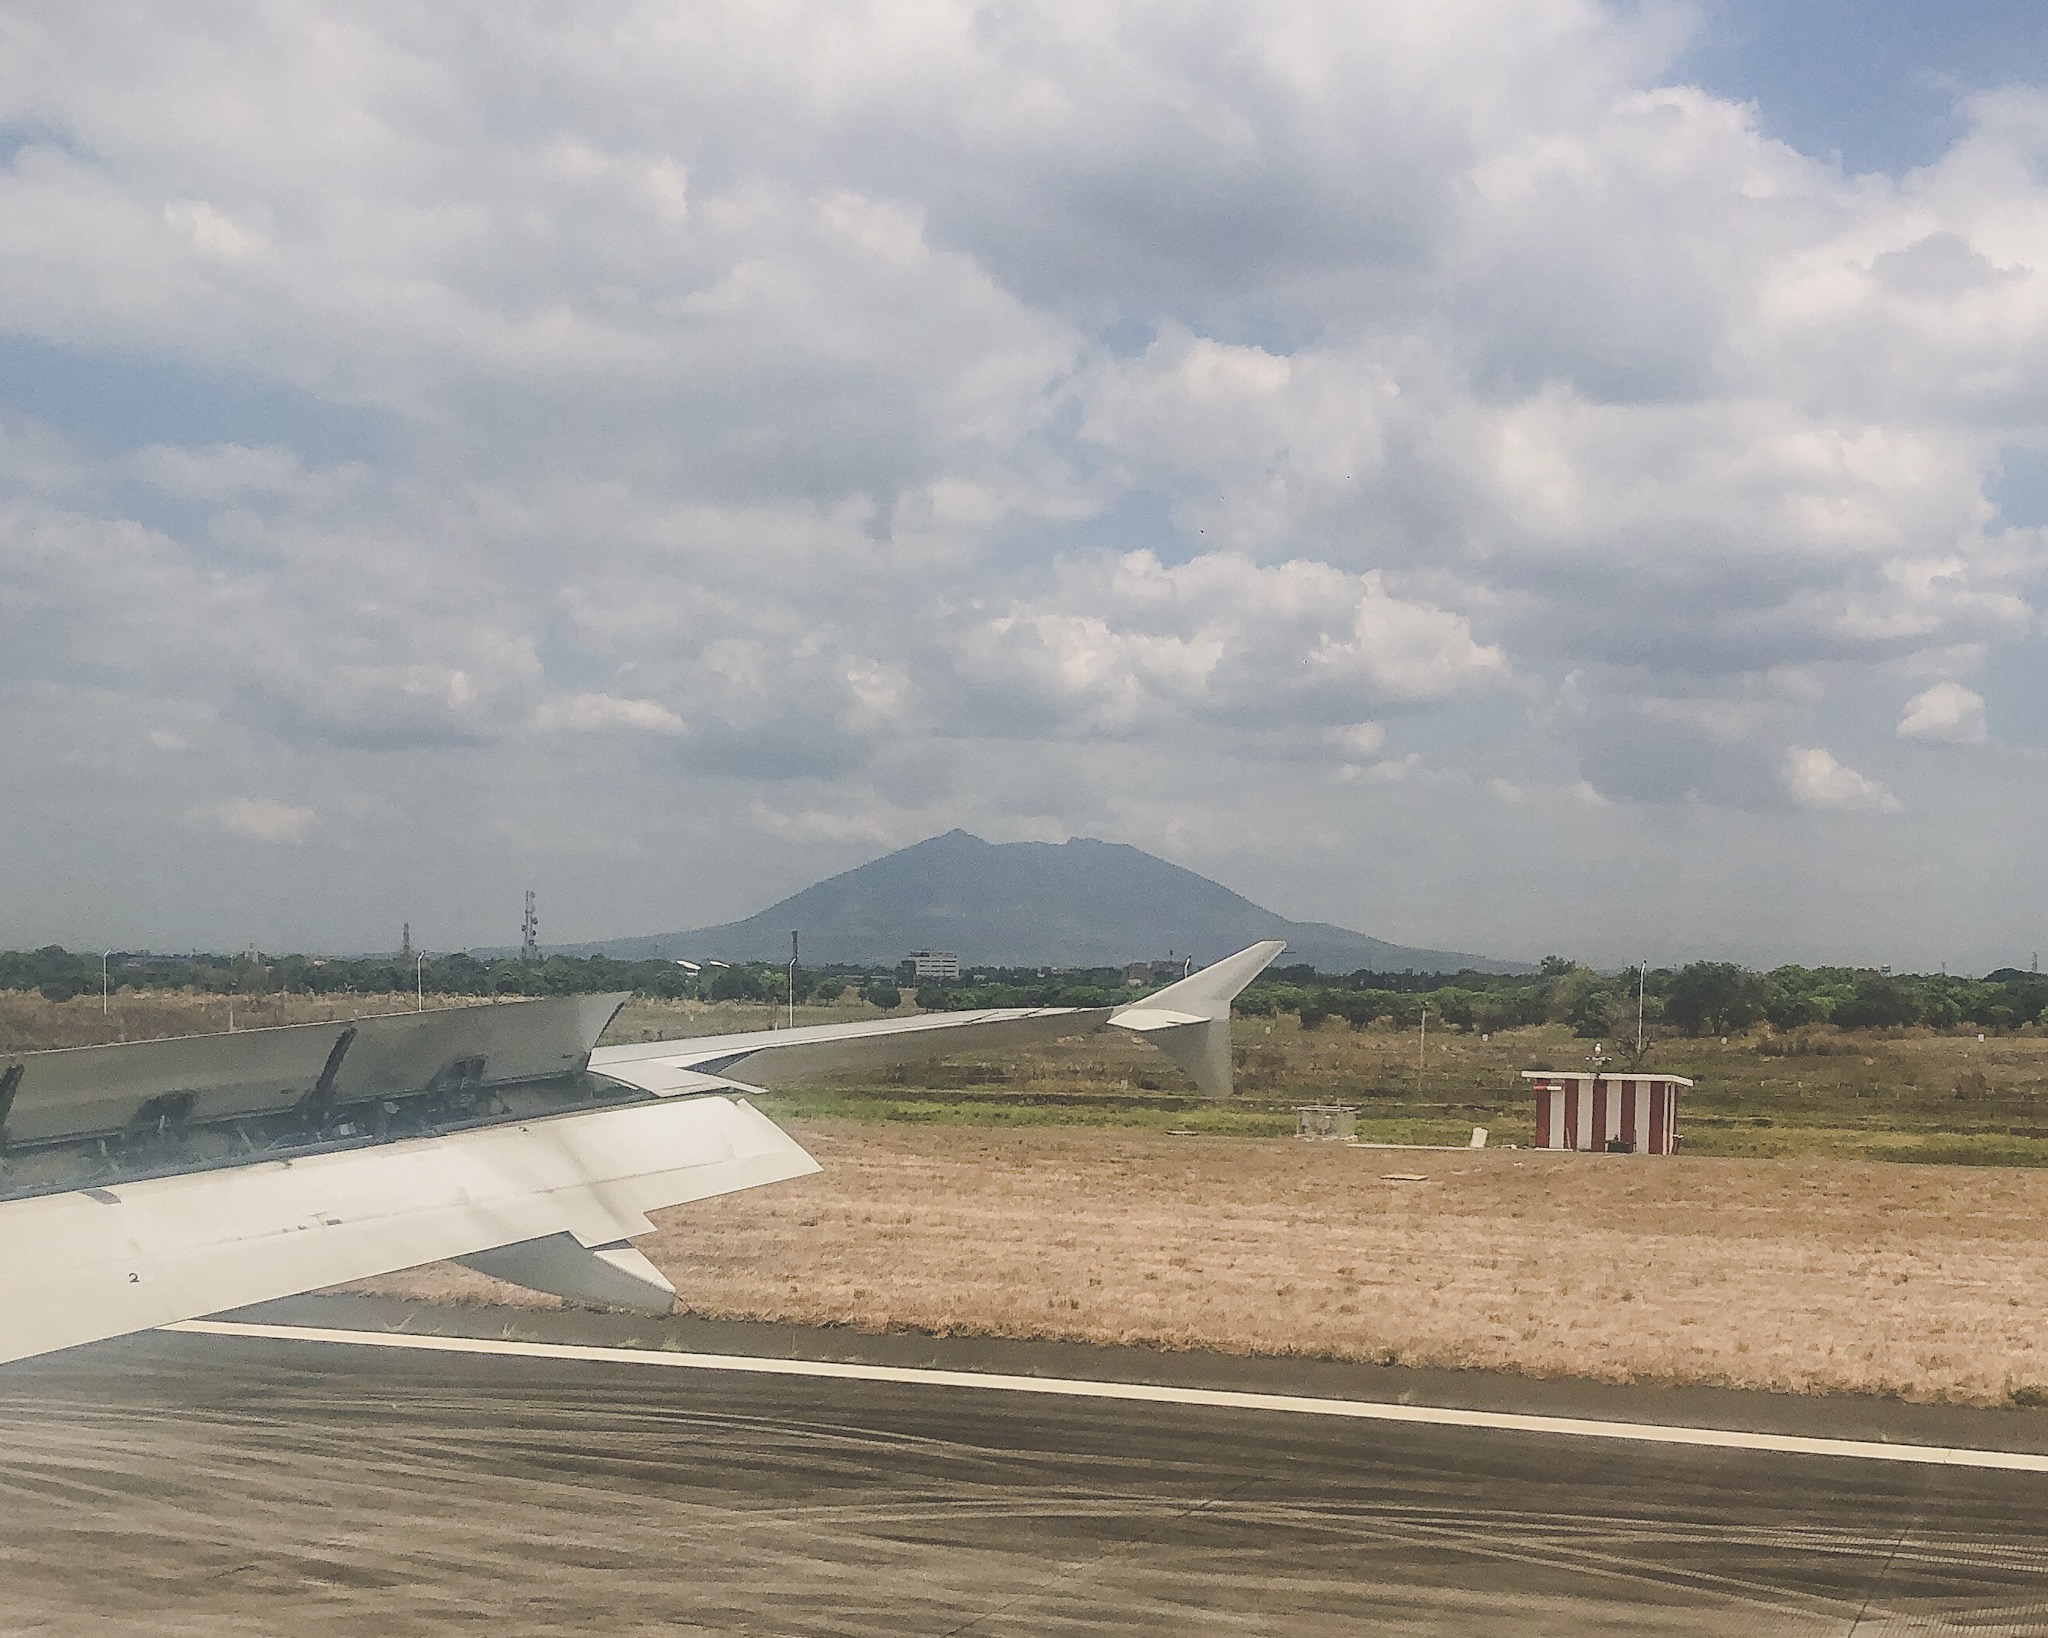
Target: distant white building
(934,964)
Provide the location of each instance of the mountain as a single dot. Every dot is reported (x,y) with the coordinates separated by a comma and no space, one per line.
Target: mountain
(1078,903)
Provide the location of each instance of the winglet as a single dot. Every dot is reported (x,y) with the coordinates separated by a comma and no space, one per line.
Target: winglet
(1190,1021)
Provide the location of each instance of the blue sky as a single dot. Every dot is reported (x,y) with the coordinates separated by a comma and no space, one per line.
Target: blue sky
(1508,475)
(1875,81)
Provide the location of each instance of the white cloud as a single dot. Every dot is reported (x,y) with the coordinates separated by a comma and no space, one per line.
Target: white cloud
(829,826)
(226,472)
(946,415)
(1814,779)
(1948,713)
(1357,738)
(598,713)
(1128,642)
(258,819)
(210,231)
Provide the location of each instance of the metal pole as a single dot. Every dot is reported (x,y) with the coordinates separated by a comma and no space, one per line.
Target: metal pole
(1422,1053)
(1642,978)
(103,981)
(792,978)
(419,979)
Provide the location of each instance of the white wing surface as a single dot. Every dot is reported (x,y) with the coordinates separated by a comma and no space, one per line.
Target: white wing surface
(105,1261)
(772,1057)
(1190,1021)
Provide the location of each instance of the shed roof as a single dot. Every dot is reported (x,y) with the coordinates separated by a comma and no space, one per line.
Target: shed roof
(1602,1075)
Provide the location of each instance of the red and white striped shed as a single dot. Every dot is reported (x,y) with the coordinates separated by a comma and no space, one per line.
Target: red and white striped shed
(1621,1114)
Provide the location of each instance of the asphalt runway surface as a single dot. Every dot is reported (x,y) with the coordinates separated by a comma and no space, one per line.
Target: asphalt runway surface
(184,1484)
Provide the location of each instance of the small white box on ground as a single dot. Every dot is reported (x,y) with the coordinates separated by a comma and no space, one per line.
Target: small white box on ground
(1333,1122)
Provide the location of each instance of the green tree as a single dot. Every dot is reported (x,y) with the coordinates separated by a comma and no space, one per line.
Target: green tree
(882,993)
(1715,997)
(741,984)
(1879,1002)
(1793,999)
(1455,1007)
(1592,1016)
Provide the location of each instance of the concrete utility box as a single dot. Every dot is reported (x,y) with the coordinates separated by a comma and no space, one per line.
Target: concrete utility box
(1335,1121)
(1618,1114)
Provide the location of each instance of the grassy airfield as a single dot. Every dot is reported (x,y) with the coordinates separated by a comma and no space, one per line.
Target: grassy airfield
(1893,1095)
(1878,1095)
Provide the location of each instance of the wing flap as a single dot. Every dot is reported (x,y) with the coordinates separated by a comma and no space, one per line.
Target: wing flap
(1143,1019)
(613,1276)
(73,1092)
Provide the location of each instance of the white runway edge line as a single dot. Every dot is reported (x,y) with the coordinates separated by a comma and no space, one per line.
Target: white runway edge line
(1361,1410)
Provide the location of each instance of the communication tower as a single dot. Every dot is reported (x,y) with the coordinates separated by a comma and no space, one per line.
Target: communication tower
(529,932)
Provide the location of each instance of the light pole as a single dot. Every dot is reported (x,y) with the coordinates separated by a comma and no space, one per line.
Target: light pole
(792,978)
(1642,979)
(103,981)
(419,979)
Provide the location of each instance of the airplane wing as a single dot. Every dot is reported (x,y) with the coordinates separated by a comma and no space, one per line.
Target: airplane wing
(104,1261)
(151,1182)
(774,1057)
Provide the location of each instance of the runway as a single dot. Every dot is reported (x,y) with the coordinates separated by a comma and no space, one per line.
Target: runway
(188,1484)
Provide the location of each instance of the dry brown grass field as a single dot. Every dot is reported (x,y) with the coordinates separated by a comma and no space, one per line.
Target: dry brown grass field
(1804,1276)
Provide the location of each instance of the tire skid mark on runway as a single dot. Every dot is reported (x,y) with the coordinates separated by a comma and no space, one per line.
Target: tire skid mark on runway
(1613,1563)
(1150,1393)
(1063,1576)
(1630,1549)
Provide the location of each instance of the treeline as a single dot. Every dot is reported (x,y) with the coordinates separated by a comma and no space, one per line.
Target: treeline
(61,974)
(1701,998)
(1081,987)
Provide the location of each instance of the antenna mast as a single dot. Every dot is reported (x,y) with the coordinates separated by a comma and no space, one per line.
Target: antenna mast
(529,932)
